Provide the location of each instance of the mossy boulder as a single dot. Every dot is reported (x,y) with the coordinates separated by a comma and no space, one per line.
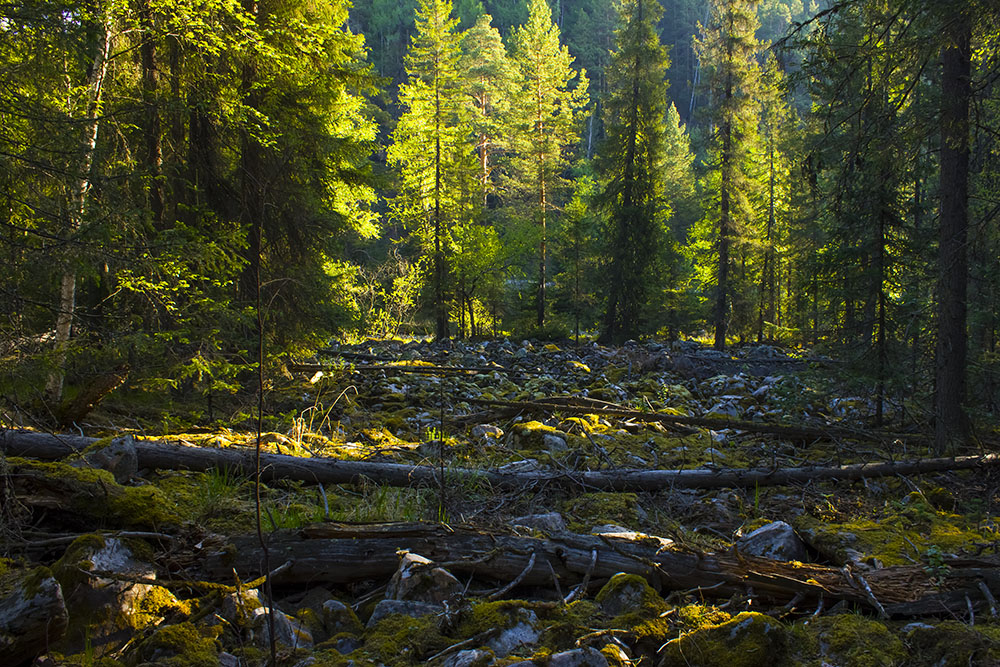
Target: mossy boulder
(181,645)
(592,509)
(532,435)
(746,640)
(851,639)
(404,640)
(513,625)
(952,644)
(629,597)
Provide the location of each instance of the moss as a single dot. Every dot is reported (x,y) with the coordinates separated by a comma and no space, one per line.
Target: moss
(854,640)
(400,639)
(483,616)
(747,640)
(701,616)
(953,644)
(182,645)
(531,435)
(565,625)
(898,534)
(95,495)
(590,509)
(153,606)
(630,599)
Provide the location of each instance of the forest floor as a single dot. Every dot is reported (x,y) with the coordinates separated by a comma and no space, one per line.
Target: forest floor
(162,566)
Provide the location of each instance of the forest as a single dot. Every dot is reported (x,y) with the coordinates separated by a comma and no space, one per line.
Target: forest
(510,295)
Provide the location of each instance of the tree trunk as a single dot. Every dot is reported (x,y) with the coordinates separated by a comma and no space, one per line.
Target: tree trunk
(951,427)
(162,455)
(338,553)
(78,196)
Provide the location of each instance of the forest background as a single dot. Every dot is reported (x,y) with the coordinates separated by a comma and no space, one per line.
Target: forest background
(817,174)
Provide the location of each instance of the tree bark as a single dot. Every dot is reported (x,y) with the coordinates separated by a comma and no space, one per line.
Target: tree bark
(951,425)
(78,196)
(162,455)
(340,553)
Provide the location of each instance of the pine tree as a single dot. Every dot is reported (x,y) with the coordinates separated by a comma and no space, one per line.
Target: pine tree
(547,111)
(632,163)
(728,51)
(430,143)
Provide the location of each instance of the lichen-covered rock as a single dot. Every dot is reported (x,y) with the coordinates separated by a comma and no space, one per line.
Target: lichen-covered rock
(532,435)
(418,579)
(953,644)
(240,607)
(119,457)
(578,657)
(747,640)
(399,639)
(776,540)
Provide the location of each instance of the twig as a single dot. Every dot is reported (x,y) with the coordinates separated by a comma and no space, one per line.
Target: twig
(990,600)
(517,580)
(597,634)
(471,641)
(586,579)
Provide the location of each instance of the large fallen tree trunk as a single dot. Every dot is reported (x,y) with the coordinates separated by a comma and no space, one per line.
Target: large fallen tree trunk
(164,455)
(338,553)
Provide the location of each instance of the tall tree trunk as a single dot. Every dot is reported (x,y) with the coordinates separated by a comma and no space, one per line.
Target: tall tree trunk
(951,425)
(78,196)
(150,82)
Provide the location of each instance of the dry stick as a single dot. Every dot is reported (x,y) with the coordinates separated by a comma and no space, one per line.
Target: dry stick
(518,579)
(272,640)
(586,579)
(990,600)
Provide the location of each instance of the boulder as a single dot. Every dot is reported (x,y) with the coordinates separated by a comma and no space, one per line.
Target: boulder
(418,579)
(405,607)
(578,657)
(471,658)
(776,540)
(551,523)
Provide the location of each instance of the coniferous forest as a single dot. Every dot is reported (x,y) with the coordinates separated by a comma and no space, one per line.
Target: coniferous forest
(684,268)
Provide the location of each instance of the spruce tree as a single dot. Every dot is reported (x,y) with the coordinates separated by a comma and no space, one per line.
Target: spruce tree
(430,143)
(547,111)
(728,52)
(632,164)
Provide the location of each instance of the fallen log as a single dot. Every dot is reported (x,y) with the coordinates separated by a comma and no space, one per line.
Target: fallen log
(428,369)
(342,553)
(575,405)
(163,455)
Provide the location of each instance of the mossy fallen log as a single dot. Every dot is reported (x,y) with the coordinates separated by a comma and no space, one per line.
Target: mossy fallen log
(342,553)
(163,455)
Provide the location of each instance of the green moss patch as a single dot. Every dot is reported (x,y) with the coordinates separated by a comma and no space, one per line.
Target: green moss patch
(747,640)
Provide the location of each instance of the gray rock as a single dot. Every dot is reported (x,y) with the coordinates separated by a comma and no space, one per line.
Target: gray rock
(338,617)
(522,633)
(550,522)
(554,443)
(228,660)
(419,580)
(473,658)
(346,645)
(916,625)
(406,607)
(776,540)
(487,431)
(240,608)
(287,629)
(579,657)
(724,410)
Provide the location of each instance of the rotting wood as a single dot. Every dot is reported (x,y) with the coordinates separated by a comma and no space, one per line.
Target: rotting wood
(339,553)
(171,456)
(575,405)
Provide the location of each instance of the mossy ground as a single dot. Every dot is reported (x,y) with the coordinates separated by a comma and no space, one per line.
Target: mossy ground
(395,417)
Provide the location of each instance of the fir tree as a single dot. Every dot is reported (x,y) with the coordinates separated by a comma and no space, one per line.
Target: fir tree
(632,165)
(430,143)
